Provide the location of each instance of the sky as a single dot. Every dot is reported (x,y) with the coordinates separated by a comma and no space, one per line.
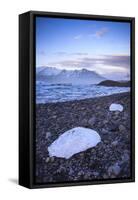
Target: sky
(101,46)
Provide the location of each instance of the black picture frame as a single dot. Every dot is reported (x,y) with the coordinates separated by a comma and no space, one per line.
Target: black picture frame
(27,97)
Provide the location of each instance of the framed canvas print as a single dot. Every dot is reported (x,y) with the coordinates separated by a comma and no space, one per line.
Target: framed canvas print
(76,99)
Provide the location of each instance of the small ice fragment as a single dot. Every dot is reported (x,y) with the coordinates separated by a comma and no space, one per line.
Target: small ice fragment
(116,107)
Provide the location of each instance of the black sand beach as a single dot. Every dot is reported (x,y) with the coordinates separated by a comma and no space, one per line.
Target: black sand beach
(109,159)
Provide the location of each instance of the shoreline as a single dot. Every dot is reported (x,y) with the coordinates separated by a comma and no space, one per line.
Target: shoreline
(109,159)
(90,98)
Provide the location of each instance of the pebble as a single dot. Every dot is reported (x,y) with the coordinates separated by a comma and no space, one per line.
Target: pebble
(92,150)
(105,176)
(115,143)
(52,159)
(122,128)
(48,134)
(106,141)
(82,155)
(98,107)
(61,169)
(47,159)
(80,173)
(87,176)
(113,127)
(84,122)
(96,173)
(105,121)
(125,157)
(71,171)
(114,169)
(117,113)
(54,116)
(104,130)
(92,121)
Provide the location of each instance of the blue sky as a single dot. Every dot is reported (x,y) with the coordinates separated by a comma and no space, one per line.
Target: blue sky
(101,46)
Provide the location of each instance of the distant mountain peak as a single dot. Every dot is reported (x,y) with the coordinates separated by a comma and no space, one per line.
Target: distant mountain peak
(47,71)
(80,76)
(84,70)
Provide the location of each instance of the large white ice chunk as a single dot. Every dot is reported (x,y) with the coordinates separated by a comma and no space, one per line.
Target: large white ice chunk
(74,141)
(116,107)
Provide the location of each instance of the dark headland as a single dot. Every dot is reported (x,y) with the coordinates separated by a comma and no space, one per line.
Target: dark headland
(109,159)
(111,83)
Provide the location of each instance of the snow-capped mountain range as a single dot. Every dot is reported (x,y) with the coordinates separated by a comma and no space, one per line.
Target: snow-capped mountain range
(53,75)
(47,71)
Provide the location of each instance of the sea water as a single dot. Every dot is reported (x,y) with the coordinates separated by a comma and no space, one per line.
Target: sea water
(67,92)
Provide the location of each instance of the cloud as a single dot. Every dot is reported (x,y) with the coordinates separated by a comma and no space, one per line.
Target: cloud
(79,54)
(77,37)
(67,64)
(103,64)
(110,60)
(42,53)
(117,60)
(62,53)
(100,33)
